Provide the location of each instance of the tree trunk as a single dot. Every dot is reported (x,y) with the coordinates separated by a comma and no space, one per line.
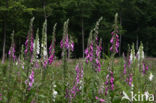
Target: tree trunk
(4,32)
(82,36)
(4,40)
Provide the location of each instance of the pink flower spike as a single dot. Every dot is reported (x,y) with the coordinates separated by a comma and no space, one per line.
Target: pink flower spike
(0,96)
(97,97)
(147,67)
(102,100)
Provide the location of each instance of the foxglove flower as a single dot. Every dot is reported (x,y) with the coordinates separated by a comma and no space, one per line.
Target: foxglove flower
(132,55)
(112,81)
(78,83)
(29,40)
(130,80)
(44,53)
(98,65)
(68,44)
(30,81)
(31,45)
(143,68)
(54,94)
(51,58)
(26,46)
(61,44)
(50,49)
(11,52)
(45,63)
(89,53)
(140,53)
(106,90)
(51,53)
(147,68)
(100,99)
(37,47)
(115,42)
(109,83)
(72,46)
(151,77)
(0,96)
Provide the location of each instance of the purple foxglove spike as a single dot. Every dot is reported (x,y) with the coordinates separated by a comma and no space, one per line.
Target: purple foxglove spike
(112,80)
(143,68)
(72,46)
(45,63)
(112,86)
(111,48)
(112,40)
(112,33)
(96,38)
(116,49)
(96,97)
(86,51)
(50,49)
(147,67)
(0,96)
(102,100)
(106,91)
(117,36)
(130,80)
(31,47)
(61,44)
(31,79)
(9,52)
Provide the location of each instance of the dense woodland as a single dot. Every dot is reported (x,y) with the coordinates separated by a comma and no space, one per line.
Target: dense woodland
(137,19)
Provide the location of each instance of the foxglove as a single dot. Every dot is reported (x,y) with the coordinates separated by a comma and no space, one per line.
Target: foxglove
(115,42)
(30,81)
(11,52)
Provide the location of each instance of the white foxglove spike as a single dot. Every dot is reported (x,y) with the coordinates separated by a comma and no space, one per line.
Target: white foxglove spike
(140,53)
(38,46)
(151,77)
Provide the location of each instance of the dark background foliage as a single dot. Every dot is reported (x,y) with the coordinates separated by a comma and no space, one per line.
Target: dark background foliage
(137,19)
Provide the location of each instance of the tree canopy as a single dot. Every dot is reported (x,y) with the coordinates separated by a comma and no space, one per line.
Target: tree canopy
(137,19)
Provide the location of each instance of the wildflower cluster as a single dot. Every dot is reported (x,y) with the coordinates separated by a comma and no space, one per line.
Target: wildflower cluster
(115,37)
(93,50)
(52,47)
(67,44)
(98,56)
(0,96)
(29,41)
(89,53)
(77,84)
(11,52)
(36,51)
(99,99)
(109,83)
(115,42)
(30,81)
(44,53)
